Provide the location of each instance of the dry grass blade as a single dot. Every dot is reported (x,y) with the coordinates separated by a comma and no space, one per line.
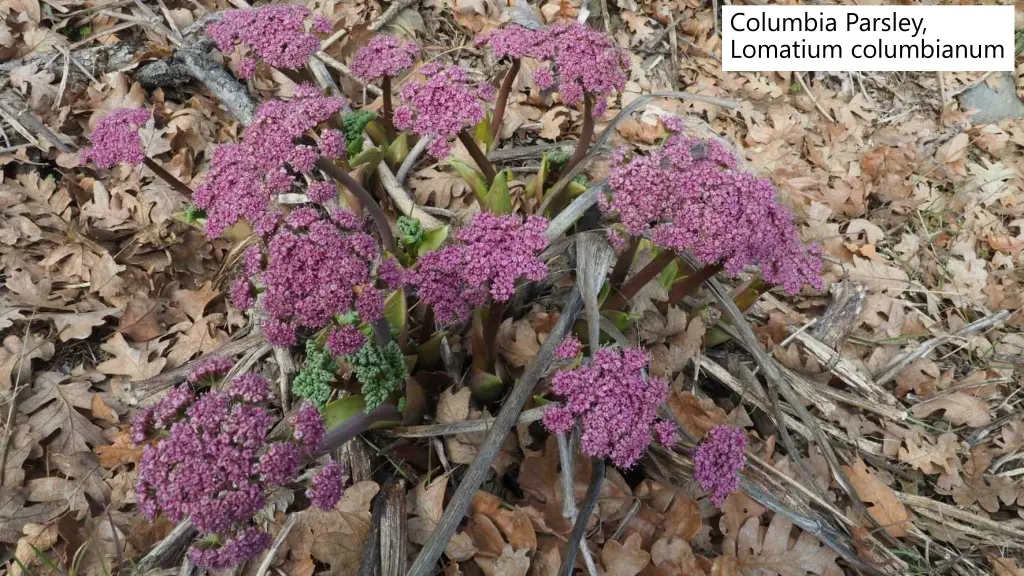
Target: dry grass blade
(593,257)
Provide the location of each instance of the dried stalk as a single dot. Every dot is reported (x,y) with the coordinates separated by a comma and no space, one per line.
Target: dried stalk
(464,427)
(580,526)
(169,548)
(478,470)
(393,537)
(897,365)
(268,558)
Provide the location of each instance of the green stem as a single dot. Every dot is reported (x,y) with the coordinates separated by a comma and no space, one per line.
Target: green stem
(502,101)
(478,156)
(379,218)
(619,299)
(388,110)
(494,314)
(166,176)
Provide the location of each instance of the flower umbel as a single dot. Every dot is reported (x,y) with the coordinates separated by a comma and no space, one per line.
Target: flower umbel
(495,251)
(116,140)
(276,33)
(614,402)
(214,465)
(689,196)
(516,42)
(244,177)
(383,56)
(441,105)
(588,63)
(719,459)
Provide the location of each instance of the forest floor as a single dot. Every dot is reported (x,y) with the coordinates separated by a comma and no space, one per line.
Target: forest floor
(909,364)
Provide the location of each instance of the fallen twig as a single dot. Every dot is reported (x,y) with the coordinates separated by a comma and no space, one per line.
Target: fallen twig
(268,558)
(586,509)
(464,427)
(897,365)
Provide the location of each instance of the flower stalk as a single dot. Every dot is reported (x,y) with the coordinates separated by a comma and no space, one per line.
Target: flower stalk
(368,201)
(167,177)
(478,156)
(586,135)
(621,298)
(388,110)
(502,100)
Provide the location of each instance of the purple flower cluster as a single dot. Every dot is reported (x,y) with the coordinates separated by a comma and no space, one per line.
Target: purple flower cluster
(719,459)
(689,196)
(517,42)
(441,105)
(569,348)
(615,403)
(275,32)
(116,140)
(383,56)
(588,63)
(245,176)
(212,463)
(314,267)
(325,487)
(494,252)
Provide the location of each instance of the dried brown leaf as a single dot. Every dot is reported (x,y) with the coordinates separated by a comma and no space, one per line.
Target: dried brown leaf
(51,408)
(626,559)
(884,507)
(334,537)
(771,550)
(960,409)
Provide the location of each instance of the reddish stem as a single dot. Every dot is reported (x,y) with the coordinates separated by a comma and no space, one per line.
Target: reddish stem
(478,156)
(586,135)
(639,280)
(494,314)
(168,177)
(379,218)
(502,101)
(388,110)
(689,285)
(622,264)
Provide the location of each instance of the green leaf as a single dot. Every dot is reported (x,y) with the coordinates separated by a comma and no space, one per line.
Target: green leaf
(575,189)
(371,157)
(620,319)
(376,132)
(482,132)
(498,200)
(715,336)
(398,150)
(396,309)
(668,275)
(340,411)
(486,387)
(475,180)
(337,412)
(536,186)
(432,240)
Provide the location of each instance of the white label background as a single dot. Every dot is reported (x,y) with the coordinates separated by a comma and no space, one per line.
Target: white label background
(969,25)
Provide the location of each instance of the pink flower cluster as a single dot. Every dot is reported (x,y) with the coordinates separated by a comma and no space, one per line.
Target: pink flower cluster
(615,403)
(688,195)
(493,253)
(588,63)
(569,348)
(275,32)
(116,140)
(517,42)
(441,105)
(211,463)
(383,56)
(245,176)
(312,269)
(719,459)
